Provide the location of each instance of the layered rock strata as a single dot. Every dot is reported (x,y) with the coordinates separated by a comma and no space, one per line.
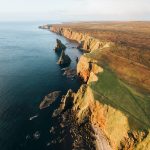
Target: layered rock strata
(107,130)
(85,41)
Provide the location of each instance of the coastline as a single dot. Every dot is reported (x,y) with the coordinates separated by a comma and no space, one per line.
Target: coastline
(84,105)
(100,140)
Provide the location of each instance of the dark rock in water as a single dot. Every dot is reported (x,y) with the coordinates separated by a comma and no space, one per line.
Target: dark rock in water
(36,135)
(70,73)
(64,59)
(49,99)
(80,46)
(66,102)
(48,144)
(28,137)
(52,130)
(59,46)
(77,59)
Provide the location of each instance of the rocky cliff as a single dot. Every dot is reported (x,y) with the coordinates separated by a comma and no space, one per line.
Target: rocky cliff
(111,126)
(86,42)
(118,117)
(59,46)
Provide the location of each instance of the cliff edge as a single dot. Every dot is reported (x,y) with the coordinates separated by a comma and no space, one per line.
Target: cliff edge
(115,98)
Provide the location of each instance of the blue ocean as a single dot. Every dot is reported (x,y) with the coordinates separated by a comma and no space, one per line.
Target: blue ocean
(28,72)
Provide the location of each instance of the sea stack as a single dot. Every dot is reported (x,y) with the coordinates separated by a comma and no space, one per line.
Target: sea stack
(59,46)
(64,59)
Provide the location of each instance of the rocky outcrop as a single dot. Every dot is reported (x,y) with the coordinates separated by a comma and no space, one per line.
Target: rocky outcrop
(85,41)
(49,99)
(130,59)
(44,26)
(84,108)
(64,59)
(87,69)
(69,73)
(59,46)
(111,126)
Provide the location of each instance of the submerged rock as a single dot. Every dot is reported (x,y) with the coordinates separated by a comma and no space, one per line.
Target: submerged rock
(49,99)
(59,46)
(36,135)
(28,137)
(64,59)
(52,130)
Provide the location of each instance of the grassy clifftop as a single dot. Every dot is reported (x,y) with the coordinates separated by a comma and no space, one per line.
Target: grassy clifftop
(119,96)
(112,91)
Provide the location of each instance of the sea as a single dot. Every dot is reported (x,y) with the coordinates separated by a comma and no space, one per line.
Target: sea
(28,72)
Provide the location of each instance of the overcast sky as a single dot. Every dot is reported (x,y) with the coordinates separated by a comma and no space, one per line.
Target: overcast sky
(74,10)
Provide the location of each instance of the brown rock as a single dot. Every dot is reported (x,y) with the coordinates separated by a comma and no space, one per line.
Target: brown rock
(49,99)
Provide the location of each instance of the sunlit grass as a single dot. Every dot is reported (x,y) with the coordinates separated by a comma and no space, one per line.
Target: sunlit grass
(111,90)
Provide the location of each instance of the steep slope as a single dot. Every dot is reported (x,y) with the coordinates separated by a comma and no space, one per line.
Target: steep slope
(115,99)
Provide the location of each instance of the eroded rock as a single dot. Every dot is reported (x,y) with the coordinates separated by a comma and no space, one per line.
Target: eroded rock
(36,135)
(59,46)
(86,67)
(49,99)
(64,59)
(69,73)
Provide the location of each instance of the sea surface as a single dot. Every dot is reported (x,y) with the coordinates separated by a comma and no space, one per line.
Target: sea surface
(28,72)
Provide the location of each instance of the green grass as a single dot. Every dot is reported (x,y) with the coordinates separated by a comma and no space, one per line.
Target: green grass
(112,91)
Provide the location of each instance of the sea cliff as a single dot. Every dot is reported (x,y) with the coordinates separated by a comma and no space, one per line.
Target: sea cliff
(86,42)
(107,101)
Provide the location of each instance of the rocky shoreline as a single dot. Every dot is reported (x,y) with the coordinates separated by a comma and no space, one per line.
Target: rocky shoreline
(82,133)
(92,124)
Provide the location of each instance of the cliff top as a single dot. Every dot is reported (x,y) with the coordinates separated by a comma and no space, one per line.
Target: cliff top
(134,33)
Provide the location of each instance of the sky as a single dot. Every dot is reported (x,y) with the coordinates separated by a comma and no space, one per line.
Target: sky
(74,10)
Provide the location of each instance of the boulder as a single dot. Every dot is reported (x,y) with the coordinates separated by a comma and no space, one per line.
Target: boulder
(59,46)
(64,59)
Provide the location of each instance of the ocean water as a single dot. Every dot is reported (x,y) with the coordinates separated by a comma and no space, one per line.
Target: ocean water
(28,72)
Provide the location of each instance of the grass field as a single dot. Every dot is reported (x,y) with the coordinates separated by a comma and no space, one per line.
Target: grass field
(132,37)
(110,90)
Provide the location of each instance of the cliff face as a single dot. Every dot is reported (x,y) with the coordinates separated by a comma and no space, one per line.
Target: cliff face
(87,68)
(112,121)
(127,68)
(111,126)
(59,46)
(87,42)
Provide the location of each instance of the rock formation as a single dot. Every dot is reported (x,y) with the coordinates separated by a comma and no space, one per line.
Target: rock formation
(69,73)
(85,41)
(49,99)
(59,46)
(86,68)
(114,126)
(109,133)
(64,59)
(44,26)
